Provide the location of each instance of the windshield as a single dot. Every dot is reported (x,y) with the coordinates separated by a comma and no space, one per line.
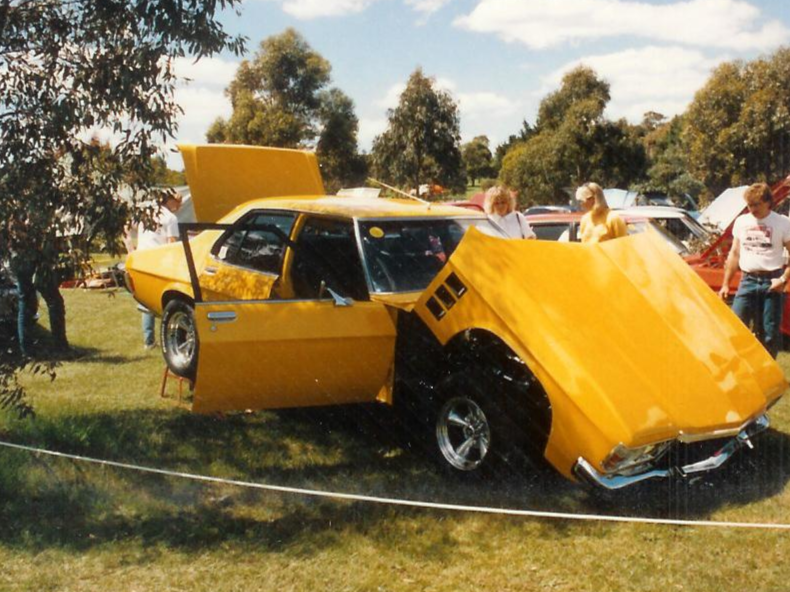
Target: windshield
(672,241)
(404,255)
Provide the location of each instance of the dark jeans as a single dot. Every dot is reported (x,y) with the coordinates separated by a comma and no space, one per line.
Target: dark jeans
(47,285)
(760,310)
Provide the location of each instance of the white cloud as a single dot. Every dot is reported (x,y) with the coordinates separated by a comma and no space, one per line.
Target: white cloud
(427,6)
(206,71)
(369,128)
(391,97)
(662,79)
(310,9)
(541,24)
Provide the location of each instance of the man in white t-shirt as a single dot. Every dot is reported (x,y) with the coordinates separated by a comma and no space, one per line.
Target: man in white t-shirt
(165,231)
(759,238)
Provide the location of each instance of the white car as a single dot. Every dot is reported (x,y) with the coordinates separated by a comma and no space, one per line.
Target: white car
(677,221)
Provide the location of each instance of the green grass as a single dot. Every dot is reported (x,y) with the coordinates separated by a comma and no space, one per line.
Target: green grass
(71,526)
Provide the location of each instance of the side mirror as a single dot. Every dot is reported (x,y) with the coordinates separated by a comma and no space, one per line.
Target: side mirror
(339,300)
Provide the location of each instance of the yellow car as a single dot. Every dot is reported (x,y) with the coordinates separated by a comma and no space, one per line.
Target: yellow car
(600,358)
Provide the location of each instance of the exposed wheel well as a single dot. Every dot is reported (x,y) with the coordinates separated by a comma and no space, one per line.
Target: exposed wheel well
(173,295)
(422,363)
(487,356)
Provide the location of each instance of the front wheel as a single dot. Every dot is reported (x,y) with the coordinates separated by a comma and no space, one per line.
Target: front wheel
(473,430)
(463,433)
(179,338)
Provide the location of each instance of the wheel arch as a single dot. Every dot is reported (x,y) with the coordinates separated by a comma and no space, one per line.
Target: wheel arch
(494,361)
(172,294)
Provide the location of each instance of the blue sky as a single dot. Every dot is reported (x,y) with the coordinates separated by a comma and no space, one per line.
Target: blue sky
(498,58)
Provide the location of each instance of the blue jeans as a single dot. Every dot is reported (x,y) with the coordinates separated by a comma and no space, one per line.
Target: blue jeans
(760,310)
(149,328)
(31,277)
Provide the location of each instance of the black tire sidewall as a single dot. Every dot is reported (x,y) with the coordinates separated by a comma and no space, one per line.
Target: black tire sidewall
(492,401)
(188,369)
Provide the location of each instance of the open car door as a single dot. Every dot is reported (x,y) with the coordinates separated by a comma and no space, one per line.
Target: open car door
(320,348)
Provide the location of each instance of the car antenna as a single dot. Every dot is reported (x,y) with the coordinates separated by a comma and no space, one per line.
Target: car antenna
(403,193)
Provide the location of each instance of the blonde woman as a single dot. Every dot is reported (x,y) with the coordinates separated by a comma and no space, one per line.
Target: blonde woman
(599,223)
(500,205)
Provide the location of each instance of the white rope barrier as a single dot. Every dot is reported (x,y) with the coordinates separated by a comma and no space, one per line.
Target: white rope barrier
(400,502)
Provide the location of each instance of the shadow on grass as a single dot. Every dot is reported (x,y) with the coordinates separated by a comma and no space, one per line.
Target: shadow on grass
(54,502)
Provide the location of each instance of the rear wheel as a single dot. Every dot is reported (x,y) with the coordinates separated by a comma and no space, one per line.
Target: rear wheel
(179,338)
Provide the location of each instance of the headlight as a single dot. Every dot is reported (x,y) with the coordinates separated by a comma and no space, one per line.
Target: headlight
(627,461)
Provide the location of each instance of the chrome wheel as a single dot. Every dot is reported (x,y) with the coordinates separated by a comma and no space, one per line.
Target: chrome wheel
(180,338)
(180,341)
(463,433)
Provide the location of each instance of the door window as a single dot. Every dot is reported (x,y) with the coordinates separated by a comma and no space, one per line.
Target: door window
(326,254)
(258,243)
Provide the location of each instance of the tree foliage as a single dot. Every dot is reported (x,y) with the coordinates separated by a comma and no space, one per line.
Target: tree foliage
(70,68)
(738,126)
(422,141)
(337,145)
(280,98)
(477,158)
(573,143)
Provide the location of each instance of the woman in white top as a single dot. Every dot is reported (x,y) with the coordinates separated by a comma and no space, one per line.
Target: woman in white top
(500,205)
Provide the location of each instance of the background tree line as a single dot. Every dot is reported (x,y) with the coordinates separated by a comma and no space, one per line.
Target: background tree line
(735,131)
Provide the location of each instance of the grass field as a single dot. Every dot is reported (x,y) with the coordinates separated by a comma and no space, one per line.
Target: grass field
(71,526)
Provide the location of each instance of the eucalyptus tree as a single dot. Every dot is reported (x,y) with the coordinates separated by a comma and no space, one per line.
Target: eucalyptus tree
(280,97)
(422,142)
(70,69)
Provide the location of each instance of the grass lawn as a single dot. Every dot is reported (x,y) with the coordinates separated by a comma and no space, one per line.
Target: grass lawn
(72,526)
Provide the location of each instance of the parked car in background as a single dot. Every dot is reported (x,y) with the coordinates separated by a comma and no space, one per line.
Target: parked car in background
(291,298)
(473,203)
(532,210)
(564,227)
(619,199)
(676,221)
(722,211)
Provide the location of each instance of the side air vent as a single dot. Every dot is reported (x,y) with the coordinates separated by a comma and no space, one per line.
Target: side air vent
(455,285)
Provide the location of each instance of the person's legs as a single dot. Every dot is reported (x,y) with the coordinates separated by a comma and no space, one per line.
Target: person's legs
(773,306)
(47,285)
(23,272)
(149,329)
(745,302)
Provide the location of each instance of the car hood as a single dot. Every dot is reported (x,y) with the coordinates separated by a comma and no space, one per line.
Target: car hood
(723,210)
(222,177)
(623,332)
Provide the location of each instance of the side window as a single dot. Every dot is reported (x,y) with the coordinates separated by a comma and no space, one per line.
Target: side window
(554,231)
(326,251)
(258,249)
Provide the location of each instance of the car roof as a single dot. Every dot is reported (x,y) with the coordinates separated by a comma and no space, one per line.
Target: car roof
(354,207)
(576,216)
(656,211)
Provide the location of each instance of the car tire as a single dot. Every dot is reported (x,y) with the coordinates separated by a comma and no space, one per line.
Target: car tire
(179,338)
(472,433)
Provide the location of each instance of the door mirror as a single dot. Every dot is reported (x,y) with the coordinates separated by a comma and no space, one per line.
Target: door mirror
(339,300)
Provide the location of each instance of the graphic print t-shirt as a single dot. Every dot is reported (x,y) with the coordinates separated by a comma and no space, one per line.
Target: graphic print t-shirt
(762,241)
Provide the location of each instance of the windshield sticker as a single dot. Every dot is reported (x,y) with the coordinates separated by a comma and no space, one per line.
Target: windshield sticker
(376,232)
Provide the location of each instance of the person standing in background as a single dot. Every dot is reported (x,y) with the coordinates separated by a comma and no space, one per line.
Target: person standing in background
(500,205)
(759,238)
(599,223)
(165,231)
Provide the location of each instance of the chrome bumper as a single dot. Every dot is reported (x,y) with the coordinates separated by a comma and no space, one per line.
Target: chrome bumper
(586,472)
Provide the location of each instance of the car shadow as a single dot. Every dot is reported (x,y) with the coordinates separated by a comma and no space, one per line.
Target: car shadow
(360,449)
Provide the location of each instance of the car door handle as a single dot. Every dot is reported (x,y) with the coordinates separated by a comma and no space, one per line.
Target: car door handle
(222,316)
(210,271)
